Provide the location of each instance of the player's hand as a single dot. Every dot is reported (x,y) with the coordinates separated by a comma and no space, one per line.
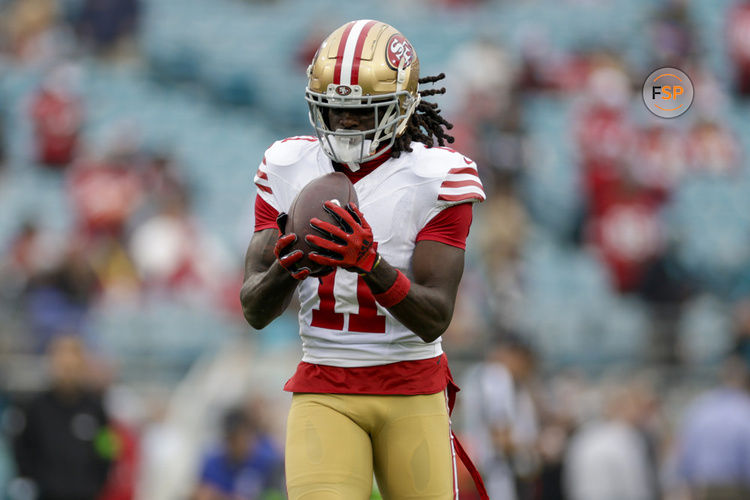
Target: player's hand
(282,250)
(350,241)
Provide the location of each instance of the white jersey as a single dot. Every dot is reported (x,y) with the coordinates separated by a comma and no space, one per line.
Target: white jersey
(340,322)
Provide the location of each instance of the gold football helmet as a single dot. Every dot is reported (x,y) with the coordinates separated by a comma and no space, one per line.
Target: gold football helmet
(363,64)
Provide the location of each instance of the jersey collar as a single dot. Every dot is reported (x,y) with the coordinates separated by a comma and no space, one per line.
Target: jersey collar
(364,168)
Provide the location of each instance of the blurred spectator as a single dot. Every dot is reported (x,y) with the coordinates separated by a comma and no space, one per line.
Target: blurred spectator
(486,117)
(738,44)
(65,445)
(500,420)
(712,148)
(603,131)
(563,405)
(113,267)
(546,67)
(625,177)
(502,146)
(673,35)
(162,176)
(611,458)
(162,445)
(57,300)
(628,233)
(25,21)
(713,444)
(30,252)
(105,193)
(659,158)
(57,116)
(501,250)
(246,467)
(717,98)
(535,68)
(171,252)
(103,24)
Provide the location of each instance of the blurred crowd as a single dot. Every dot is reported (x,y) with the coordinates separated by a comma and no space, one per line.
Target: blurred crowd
(654,428)
(627,432)
(86,437)
(134,234)
(134,238)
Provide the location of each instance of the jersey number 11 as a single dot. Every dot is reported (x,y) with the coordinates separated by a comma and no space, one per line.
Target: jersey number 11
(367,320)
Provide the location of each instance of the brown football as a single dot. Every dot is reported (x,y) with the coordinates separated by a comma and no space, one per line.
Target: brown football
(309,204)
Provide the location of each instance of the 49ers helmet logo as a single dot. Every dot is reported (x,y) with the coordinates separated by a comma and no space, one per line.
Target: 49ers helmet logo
(343,90)
(398,48)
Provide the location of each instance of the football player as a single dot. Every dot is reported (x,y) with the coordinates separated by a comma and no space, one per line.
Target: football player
(373,390)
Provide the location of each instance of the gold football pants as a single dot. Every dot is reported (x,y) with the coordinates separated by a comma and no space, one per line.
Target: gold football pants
(335,442)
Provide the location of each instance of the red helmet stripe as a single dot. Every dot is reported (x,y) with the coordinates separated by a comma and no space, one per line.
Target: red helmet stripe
(340,53)
(358,52)
(350,45)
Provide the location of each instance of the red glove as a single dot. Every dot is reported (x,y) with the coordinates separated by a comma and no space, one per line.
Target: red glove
(351,240)
(281,250)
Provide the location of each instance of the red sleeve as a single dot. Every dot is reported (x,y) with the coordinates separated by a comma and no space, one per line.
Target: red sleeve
(450,226)
(265,214)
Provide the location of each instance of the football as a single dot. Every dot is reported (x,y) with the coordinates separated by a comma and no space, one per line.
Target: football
(309,204)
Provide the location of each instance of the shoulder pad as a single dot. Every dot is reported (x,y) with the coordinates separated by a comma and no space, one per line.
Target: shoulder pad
(459,178)
(288,151)
(438,161)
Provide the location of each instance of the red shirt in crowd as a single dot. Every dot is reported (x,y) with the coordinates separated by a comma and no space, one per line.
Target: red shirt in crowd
(57,120)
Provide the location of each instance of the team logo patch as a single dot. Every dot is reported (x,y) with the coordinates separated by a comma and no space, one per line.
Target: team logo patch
(343,90)
(398,48)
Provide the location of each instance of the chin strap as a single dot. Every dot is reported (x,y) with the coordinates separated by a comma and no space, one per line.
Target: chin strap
(407,115)
(353,166)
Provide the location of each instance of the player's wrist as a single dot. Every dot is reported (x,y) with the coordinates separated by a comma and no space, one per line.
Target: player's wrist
(395,293)
(375,259)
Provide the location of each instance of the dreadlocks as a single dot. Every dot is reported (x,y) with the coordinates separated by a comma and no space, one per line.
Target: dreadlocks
(425,124)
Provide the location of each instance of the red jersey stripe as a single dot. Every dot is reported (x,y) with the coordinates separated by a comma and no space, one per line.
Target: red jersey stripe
(264,188)
(463,170)
(262,175)
(358,52)
(340,54)
(457,184)
(461,197)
